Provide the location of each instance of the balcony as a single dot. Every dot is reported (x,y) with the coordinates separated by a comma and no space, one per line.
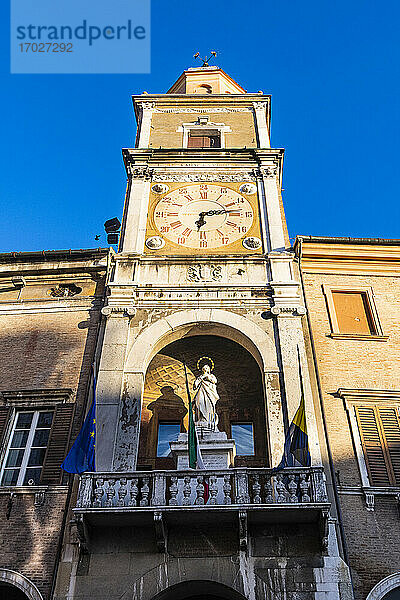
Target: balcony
(241,495)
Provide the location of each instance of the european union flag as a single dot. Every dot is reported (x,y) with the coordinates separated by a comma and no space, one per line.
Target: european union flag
(296,452)
(81,457)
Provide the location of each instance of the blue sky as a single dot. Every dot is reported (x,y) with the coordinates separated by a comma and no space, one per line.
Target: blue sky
(332,69)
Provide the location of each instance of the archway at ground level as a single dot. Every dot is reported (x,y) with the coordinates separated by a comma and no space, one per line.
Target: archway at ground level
(10,592)
(199,590)
(14,586)
(386,589)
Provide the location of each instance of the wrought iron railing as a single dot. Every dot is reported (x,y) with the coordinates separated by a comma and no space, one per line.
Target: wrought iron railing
(206,488)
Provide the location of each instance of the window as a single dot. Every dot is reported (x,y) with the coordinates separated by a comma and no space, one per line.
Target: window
(204,88)
(204,139)
(167,432)
(27,448)
(379,428)
(243,435)
(352,312)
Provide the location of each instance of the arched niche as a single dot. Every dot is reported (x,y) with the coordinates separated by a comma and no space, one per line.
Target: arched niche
(240,408)
(207,322)
(386,589)
(196,590)
(14,586)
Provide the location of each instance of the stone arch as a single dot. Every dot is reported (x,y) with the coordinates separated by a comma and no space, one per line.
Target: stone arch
(205,321)
(21,582)
(384,586)
(196,588)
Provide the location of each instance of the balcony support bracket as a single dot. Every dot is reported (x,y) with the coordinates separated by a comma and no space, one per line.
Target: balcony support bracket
(81,533)
(243,530)
(161,531)
(324,528)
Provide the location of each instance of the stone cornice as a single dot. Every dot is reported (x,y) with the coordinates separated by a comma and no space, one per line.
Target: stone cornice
(369,258)
(368,395)
(174,103)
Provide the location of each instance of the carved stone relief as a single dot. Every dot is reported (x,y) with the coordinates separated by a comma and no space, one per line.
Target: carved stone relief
(196,273)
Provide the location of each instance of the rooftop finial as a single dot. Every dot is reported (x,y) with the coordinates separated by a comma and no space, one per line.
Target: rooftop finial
(205,59)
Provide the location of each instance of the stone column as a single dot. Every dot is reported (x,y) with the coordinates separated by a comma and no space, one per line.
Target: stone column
(109,386)
(260,109)
(145,124)
(271,194)
(136,214)
(128,430)
(274,416)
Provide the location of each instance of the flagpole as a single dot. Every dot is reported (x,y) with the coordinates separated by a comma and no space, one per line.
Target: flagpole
(300,372)
(192,439)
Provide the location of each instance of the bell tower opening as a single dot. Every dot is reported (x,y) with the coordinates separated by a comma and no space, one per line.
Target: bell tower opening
(240,408)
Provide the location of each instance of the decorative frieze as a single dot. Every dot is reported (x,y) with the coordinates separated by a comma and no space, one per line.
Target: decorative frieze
(234,176)
(208,109)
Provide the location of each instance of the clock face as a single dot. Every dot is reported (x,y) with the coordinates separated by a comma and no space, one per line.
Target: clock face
(203,216)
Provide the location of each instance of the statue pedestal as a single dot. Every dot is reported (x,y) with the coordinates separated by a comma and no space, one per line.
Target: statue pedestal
(217,451)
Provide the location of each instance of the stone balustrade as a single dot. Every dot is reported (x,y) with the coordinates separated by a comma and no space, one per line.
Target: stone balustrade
(201,489)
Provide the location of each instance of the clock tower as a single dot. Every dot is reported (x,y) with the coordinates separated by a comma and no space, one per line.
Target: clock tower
(204,274)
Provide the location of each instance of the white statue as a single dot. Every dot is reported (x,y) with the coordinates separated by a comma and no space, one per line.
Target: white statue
(206,395)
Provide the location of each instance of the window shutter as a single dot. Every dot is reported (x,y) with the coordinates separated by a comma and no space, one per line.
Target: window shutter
(391,429)
(375,458)
(196,141)
(353,313)
(58,443)
(5,412)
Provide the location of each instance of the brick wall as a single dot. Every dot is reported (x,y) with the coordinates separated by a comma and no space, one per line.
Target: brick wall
(29,537)
(48,347)
(372,537)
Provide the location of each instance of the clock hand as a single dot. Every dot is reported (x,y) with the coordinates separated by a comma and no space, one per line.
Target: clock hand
(201,220)
(211,213)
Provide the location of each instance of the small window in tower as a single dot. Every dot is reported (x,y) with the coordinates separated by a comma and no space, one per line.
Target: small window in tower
(204,88)
(200,138)
(243,435)
(168,431)
(353,312)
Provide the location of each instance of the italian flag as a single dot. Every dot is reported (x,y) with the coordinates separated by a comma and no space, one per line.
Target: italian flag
(195,458)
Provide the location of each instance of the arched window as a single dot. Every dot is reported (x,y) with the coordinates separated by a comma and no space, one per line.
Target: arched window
(240,408)
(204,88)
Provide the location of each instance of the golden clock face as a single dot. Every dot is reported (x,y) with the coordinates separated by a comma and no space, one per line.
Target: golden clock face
(203,216)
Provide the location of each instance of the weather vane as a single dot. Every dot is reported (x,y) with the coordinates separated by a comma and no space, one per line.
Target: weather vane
(206,59)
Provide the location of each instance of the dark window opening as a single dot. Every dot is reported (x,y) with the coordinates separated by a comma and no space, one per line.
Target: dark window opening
(204,139)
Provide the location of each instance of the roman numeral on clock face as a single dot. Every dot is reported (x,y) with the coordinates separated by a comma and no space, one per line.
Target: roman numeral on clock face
(175,224)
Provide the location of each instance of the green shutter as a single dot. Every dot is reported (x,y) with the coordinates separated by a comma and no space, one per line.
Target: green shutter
(58,443)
